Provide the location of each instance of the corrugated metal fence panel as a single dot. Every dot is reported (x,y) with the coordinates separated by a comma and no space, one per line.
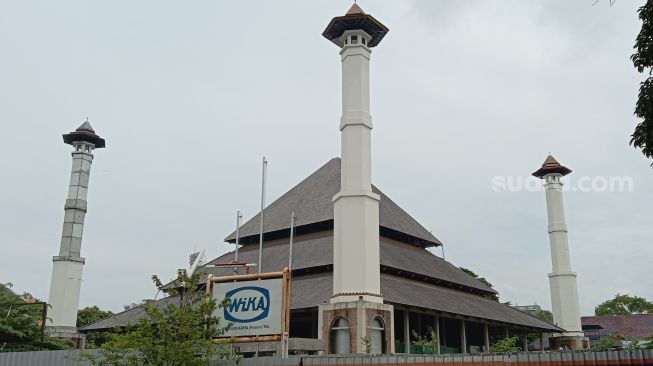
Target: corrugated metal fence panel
(43,358)
(620,358)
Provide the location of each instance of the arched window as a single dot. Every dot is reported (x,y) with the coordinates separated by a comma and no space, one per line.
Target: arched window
(377,336)
(340,339)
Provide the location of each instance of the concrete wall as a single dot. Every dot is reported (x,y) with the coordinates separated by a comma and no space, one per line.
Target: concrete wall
(639,358)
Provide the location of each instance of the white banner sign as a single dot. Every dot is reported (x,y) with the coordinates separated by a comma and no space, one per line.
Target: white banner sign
(255,307)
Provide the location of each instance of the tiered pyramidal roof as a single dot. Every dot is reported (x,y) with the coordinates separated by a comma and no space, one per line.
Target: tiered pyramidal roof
(311,200)
(551,166)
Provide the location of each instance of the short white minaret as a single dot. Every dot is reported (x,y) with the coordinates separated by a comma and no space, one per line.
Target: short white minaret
(356,208)
(562,279)
(67,266)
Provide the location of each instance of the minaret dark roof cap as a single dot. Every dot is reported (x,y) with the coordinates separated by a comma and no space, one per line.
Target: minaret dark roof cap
(355,9)
(551,166)
(86,126)
(355,18)
(86,133)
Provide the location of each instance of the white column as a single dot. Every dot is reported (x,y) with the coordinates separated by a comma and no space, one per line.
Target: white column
(407,331)
(562,280)
(486,337)
(356,207)
(68,265)
(463,336)
(437,331)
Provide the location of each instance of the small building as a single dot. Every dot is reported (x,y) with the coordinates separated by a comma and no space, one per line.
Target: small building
(533,309)
(631,326)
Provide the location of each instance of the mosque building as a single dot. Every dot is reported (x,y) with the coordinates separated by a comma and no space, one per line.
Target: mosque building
(361,266)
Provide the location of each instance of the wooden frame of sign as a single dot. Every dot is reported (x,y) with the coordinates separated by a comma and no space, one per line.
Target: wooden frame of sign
(285,307)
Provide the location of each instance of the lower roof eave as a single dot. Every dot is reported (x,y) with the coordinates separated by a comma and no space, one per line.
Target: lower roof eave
(552,329)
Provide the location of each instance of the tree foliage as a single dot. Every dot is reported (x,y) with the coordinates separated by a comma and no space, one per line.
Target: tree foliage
(428,343)
(88,315)
(505,345)
(618,341)
(179,333)
(483,280)
(21,317)
(544,315)
(624,305)
(642,59)
(609,342)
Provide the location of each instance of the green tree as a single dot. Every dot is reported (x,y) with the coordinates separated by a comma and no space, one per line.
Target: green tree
(642,138)
(178,333)
(544,315)
(610,342)
(505,345)
(428,343)
(624,305)
(483,280)
(21,318)
(88,315)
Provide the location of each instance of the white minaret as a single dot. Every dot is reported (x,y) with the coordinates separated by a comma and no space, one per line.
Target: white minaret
(67,266)
(356,208)
(562,279)
(356,302)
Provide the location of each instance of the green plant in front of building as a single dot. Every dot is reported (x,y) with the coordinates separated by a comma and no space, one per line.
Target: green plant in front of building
(610,342)
(505,345)
(640,343)
(21,320)
(179,333)
(426,344)
(367,345)
(618,341)
(88,315)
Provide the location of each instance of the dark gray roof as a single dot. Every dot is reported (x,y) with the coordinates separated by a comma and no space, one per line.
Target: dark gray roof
(311,200)
(84,133)
(404,291)
(126,317)
(315,289)
(316,250)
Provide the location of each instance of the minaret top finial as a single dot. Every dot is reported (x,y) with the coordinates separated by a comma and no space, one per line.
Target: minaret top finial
(355,19)
(551,166)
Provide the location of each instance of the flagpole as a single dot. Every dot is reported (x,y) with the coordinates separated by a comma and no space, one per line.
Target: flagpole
(260,243)
(292,232)
(238,217)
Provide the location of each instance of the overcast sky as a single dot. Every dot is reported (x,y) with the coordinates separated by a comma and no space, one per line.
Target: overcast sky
(191,95)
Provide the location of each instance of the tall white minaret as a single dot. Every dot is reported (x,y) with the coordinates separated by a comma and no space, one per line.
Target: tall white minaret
(356,265)
(562,279)
(356,208)
(67,266)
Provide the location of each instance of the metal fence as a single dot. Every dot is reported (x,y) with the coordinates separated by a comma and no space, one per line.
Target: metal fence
(609,358)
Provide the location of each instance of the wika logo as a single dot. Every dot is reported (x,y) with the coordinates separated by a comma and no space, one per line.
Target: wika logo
(248,304)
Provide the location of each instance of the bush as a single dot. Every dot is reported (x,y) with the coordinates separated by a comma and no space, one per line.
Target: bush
(506,345)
